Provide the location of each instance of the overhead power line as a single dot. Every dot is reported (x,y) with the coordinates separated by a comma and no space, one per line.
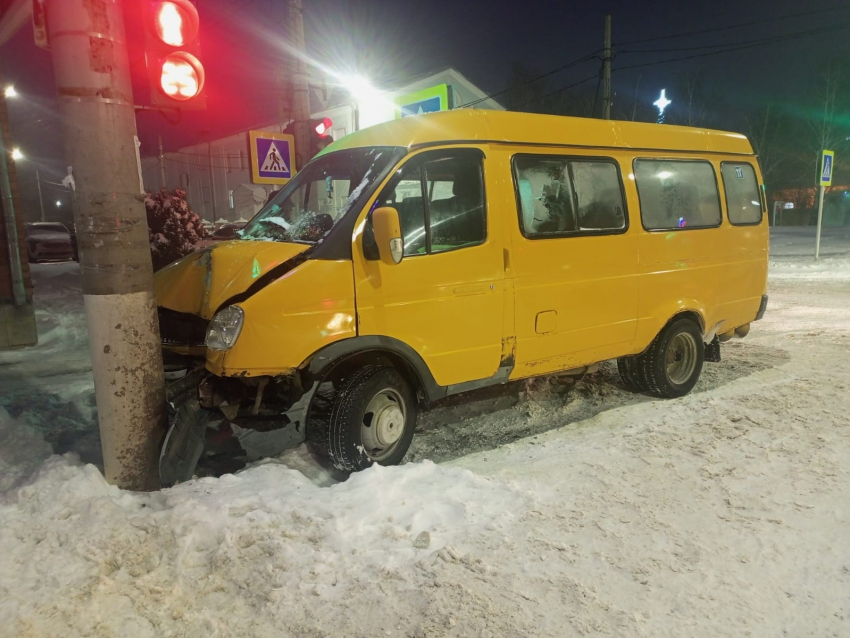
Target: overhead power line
(734,26)
(728,48)
(562,89)
(767,40)
(563,67)
(741,47)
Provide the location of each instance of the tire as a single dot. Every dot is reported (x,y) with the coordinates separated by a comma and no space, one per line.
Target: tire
(355,439)
(672,364)
(629,370)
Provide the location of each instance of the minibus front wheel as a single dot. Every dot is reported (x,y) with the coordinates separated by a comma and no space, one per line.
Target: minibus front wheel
(372,419)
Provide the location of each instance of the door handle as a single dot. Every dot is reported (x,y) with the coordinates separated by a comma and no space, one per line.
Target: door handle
(476,289)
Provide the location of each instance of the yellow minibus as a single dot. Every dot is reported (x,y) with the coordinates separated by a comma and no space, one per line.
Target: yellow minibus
(442,253)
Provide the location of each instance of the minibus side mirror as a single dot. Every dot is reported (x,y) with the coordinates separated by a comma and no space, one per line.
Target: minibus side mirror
(387,228)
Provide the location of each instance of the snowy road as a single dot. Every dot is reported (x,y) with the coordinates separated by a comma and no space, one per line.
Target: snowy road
(554,510)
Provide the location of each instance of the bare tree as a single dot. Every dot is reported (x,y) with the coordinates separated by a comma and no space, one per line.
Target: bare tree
(693,103)
(764,130)
(635,99)
(828,130)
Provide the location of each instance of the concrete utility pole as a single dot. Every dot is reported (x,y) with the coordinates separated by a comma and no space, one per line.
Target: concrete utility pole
(606,71)
(300,86)
(92,73)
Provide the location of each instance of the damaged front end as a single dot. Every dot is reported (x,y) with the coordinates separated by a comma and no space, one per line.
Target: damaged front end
(191,293)
(266,415)
(237,323)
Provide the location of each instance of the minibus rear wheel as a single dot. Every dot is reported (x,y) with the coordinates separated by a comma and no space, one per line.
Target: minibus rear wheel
(629,369)
(672,364)
(372,419)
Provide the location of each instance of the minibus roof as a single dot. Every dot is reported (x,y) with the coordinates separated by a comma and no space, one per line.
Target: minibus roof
(488,126)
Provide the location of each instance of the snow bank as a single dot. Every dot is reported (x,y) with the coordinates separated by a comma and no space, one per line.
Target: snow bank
(792,253)
(22,450)
(830,268)
(240,555)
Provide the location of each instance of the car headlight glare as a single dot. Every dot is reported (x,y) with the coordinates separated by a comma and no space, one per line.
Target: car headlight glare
(224,329)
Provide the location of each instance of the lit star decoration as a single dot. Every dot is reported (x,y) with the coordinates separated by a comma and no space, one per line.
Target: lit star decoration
(662,103)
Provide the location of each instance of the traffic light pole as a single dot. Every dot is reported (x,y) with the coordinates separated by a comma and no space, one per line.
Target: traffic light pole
(92,74)
(300,86)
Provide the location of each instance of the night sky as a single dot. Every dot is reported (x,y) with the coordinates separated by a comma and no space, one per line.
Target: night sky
(389,41)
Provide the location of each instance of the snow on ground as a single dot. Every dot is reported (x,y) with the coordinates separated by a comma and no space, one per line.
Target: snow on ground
(723,513)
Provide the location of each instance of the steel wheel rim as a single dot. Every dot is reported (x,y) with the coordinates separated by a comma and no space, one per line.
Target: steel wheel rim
(681,359)
(383,423)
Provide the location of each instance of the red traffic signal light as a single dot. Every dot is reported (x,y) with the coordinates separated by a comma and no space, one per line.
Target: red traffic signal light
(323,128)
(174,24)
(172,52)
(182,76)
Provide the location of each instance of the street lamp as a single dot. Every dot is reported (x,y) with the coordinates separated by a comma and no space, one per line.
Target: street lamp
(16,154)
(10,91)
(359,87)
(364,95)
(58,204)
(662,103)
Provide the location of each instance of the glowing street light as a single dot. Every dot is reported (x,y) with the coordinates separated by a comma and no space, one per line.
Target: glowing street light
(662,103)
(17,155)
(10,91)
(58,204)
(359,87)
(366,100)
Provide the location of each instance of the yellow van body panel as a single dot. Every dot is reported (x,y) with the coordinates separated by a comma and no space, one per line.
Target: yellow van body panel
(447,306)
(202,281)
(286,322)
(575,297)
(480,126)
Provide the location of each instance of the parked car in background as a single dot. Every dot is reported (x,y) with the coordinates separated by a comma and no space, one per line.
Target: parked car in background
(49,241)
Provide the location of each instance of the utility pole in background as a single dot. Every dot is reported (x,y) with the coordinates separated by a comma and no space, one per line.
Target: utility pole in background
(88,45)
(300,86)
(40,198)
(606,71)
(162,164)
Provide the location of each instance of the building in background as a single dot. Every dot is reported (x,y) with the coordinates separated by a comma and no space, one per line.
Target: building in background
(216,175)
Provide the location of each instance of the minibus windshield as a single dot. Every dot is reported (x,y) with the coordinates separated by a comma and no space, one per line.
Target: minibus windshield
(320,195)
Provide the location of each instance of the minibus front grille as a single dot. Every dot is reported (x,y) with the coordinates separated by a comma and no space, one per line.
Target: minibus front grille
(181,328)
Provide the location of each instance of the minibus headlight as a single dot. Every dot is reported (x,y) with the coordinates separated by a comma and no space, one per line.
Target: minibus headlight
(224,329)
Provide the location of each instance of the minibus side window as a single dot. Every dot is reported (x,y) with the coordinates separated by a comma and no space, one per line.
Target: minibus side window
(560,196)
(677,194)
(440,202)
(743,200)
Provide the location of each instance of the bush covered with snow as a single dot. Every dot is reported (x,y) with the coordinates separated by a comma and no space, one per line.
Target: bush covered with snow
(174,229)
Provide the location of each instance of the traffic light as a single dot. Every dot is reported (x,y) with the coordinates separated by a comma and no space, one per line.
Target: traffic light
(320,135)
(172,54)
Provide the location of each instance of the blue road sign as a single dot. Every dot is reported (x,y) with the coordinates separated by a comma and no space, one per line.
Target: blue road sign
(430,100)
(431,105)
(826,168)
(272,157)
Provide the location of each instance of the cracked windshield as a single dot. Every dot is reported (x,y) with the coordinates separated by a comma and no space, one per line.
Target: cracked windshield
(307,208)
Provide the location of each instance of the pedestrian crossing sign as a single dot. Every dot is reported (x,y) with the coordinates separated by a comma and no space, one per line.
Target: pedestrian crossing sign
(828,159)
(272,157)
